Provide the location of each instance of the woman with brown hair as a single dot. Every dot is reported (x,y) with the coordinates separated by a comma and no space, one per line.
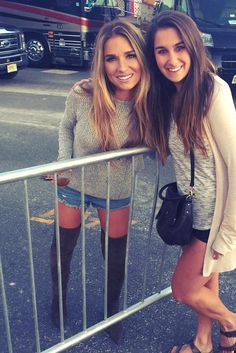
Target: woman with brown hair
(191,107)
(108,114)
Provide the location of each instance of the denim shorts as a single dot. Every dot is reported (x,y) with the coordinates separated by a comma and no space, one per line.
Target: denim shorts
(71,197)
(202,235)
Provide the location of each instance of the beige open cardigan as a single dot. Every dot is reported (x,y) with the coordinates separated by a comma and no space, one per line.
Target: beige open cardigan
(220,127)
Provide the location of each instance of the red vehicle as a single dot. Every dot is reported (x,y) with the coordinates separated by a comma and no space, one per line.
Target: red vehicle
(58,30)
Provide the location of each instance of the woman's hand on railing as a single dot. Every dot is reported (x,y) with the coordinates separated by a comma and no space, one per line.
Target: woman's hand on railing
(61,181)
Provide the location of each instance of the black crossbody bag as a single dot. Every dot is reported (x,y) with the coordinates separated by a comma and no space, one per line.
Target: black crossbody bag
(174,220)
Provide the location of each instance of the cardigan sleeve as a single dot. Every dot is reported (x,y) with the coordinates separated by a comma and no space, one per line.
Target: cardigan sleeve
(222,118)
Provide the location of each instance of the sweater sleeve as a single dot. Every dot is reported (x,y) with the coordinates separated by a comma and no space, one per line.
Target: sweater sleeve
(222,117)
(66,127)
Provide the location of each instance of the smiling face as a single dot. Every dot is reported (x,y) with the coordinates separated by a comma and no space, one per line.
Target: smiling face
(172,57)
(121,66)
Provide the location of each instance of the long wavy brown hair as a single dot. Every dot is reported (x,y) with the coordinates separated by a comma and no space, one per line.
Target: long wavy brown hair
(194,98)
(103,109)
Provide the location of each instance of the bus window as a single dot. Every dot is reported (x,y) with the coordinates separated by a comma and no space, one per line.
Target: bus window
(67,6)
(183,6)
(164,5)
(218,12)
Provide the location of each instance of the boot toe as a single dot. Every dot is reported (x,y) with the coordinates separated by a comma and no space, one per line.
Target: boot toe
(115,332)
(55,315)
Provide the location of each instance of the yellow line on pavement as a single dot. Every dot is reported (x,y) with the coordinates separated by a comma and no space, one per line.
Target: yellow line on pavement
(48,218)
(94,222)
(49,213)
(42,220)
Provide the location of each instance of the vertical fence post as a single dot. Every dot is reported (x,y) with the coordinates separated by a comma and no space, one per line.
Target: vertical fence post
(83,251)
(27,213)
(147,252)
(128,234)
(5,309)
(107,238)
(58,251)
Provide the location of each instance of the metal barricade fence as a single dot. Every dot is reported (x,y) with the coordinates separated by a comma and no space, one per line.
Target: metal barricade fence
(28,173)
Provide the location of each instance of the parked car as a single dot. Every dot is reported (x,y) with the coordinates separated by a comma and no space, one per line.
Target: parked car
(12,52)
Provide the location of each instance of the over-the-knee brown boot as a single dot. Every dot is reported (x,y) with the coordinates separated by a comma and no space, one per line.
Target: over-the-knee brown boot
(68,240)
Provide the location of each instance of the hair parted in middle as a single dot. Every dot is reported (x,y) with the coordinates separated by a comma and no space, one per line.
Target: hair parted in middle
(103,102)
(195,95)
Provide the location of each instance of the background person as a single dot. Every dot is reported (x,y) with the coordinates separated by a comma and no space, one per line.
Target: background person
(109,114)
(191,106)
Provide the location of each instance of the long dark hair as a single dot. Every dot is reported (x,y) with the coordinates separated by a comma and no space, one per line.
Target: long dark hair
(195,95)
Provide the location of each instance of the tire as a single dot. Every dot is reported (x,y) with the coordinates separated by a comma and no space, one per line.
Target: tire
(8,76)
(38,52)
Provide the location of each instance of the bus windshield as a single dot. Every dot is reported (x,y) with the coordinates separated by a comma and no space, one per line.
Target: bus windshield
(215,12)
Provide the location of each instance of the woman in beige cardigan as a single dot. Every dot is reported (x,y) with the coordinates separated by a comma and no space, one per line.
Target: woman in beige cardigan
(190,105)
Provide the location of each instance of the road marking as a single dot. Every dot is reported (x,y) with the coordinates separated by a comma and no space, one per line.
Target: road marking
(49,214)
(48,218)
(36,91)
(39,126)
(42,220)
(43,119)
(93,223)
(60,72)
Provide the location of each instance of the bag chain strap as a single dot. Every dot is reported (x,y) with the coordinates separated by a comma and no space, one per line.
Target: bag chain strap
(191,186)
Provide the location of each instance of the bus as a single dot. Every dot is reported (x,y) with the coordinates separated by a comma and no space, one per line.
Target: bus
(60,31)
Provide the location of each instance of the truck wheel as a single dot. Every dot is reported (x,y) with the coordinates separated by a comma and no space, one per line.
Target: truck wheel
(38,52)
(8,76)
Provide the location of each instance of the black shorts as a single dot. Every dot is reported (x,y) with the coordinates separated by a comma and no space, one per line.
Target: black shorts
(202,235)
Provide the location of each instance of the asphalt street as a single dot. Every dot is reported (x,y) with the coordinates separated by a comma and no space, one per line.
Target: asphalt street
(31,106)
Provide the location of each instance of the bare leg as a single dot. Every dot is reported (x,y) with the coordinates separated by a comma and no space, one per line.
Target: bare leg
(118,221)
(191,288)
(69,217)
(204,324)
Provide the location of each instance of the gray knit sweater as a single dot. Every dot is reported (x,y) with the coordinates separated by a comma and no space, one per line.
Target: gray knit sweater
(77,138)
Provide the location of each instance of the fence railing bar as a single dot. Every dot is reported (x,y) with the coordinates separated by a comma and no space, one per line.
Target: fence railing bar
(5,309)
(102,325)
(83,251)
(107,238)
(58,251)
(30,172)
(128,234)
(147,252)
(31,261)
(127,311)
